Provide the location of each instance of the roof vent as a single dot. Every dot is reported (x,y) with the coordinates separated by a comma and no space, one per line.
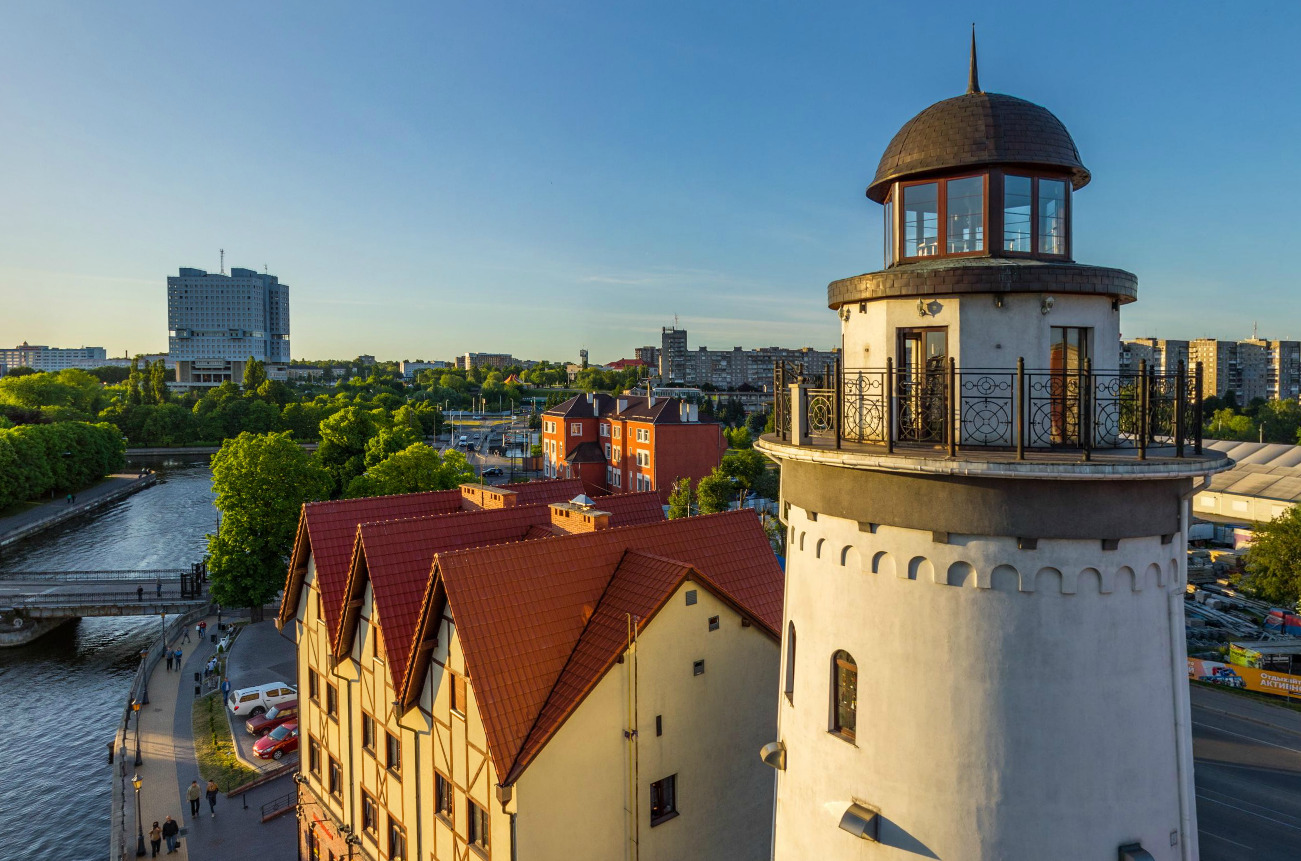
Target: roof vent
(861,822)
(583,501)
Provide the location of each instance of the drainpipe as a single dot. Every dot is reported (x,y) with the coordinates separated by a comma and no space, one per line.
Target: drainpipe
(349,814)
(1179,669)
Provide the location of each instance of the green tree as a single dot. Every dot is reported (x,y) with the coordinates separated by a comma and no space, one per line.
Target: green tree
(255,374)
(757,422)
(715,492)
(680,499)
(133,393)
(1274,560)
(738,438)
(415,469)
(158,383)
(343,444)
(261,482)
(389,441)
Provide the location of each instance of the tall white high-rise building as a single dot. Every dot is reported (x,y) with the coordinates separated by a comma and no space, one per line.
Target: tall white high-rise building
(983,651)
(216,322)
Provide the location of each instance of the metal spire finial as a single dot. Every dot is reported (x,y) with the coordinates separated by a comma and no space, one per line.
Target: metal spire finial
(973,79)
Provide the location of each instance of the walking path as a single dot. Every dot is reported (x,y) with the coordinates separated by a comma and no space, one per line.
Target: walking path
(35,518)
(167,748)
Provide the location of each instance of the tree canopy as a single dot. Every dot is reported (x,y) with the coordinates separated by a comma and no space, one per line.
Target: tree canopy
(261,482)
(1274,560)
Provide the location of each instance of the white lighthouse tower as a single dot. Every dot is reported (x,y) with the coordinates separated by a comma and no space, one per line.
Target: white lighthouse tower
(984,638)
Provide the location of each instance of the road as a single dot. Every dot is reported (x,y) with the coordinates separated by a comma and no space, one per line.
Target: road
(1248,776)
(486,433)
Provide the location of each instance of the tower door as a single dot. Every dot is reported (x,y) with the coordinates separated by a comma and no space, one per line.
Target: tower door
(919,385)
(1069,349)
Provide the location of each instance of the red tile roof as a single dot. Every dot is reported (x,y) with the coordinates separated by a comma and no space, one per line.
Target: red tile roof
(395,557)
(326,531)
(522,609)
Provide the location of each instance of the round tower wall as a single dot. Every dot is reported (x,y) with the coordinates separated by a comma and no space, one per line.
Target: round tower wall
(984,330)
(1015,700)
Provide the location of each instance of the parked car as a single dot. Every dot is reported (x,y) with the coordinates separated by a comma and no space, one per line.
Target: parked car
(249,702)
(493,470)
(280,741)
(273,718)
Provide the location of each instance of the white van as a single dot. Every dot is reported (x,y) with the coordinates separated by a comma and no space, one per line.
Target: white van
(247,702)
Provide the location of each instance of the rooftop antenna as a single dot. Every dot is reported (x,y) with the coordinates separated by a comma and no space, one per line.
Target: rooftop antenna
(1253,330)
(973,79)
(223,260)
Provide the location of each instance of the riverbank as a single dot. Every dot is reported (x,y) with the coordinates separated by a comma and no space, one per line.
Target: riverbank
(188,450)
(38,518)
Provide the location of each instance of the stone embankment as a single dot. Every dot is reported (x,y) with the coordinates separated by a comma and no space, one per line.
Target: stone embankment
(47,515)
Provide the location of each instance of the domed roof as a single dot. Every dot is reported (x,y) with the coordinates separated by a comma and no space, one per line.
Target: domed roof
(978,129)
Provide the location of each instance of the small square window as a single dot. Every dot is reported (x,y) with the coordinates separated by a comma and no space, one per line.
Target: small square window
(698,668)
(663,800)
(691,597)
(713,623)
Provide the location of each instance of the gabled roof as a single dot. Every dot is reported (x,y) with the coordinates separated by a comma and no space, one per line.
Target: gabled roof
(395,558)
(522,610)
(326,531)
(585,452)
(579,407)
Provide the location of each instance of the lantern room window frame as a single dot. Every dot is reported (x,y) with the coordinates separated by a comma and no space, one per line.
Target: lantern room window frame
(994,209)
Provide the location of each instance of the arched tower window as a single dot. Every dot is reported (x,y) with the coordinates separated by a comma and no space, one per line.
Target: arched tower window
(790,662)
(844,706)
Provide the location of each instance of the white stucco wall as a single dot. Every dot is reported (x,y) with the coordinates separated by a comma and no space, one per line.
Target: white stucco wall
(1029,712)
(713,727)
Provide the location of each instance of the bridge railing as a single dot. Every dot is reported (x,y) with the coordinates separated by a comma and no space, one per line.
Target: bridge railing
(143,576)
(70,599)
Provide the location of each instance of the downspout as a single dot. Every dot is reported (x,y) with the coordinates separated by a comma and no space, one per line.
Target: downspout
(352,775)
(1179,669)
(634,834)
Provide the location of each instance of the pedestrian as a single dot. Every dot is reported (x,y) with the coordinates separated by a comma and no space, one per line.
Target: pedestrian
(193,794)
(225,689)
(203,629)
(158,585)
(212,797)
(140,593)
(171,656)
(70,499)
(178,660)
(186,638)
(170,830)
(155,839)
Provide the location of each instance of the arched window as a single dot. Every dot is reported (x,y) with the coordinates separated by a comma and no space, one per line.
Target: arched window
(844,707)
(790,662)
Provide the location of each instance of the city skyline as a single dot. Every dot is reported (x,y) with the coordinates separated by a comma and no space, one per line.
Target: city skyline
(432,182)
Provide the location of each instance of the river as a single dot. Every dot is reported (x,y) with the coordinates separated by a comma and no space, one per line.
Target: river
(61,697)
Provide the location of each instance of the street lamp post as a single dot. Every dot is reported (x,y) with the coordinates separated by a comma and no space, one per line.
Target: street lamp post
(140,822)
(135,707)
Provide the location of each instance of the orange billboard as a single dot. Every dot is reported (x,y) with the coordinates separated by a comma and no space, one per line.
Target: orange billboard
(1247,678)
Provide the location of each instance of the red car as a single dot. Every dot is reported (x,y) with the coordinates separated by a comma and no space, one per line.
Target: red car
(280,741)
(268,721)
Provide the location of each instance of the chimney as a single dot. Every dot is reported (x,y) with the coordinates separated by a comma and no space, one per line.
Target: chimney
(573,518)
(688,412)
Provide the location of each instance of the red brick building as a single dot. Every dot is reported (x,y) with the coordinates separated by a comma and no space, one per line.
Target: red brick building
(629,443)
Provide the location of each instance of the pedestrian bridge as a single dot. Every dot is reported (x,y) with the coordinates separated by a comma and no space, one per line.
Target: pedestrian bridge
(69,594)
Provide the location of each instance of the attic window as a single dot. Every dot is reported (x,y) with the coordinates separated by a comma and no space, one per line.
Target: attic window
(713,623)
(691,597)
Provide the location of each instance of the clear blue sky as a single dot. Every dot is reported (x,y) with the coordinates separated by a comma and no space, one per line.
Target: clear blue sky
(435,177)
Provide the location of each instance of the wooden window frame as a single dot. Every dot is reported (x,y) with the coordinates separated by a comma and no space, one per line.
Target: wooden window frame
(314,686)
(332,701)
(458,694)
(942,212)
(368,722)
(1034,252)
(481,842)
(335,769)
(314,756)
(393,753)
(837,664)
(395,825)
(369,801)
(441,781)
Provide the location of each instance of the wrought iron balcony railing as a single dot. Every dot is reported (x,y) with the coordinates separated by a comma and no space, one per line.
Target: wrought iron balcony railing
(943,406)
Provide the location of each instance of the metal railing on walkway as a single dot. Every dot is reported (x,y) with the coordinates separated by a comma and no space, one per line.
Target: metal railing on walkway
(942,406)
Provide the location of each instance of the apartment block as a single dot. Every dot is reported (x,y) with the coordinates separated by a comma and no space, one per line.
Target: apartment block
(486,360)
(734,368)
(1250,369)
(216,322)
(629,443)
(1162,355)
(539,679)
(42,358)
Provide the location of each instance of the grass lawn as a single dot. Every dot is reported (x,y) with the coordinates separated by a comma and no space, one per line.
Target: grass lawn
(213,746)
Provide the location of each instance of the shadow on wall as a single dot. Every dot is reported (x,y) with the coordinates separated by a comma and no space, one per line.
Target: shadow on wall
(893,834)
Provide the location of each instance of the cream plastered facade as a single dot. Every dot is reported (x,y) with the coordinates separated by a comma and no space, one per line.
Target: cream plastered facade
(1012,703)
(712,724)
(572,802)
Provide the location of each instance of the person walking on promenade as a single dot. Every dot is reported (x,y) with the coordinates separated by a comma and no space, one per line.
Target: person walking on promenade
(225,689)
(193,795)
(140,593)
(203,629)
(158,586)
(186,638)
(170,830)
(155,839)
(171,656)
(212,797)
(178,659)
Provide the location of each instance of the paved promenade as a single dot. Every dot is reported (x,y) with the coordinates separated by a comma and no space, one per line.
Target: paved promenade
(36,517)
(167,747)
